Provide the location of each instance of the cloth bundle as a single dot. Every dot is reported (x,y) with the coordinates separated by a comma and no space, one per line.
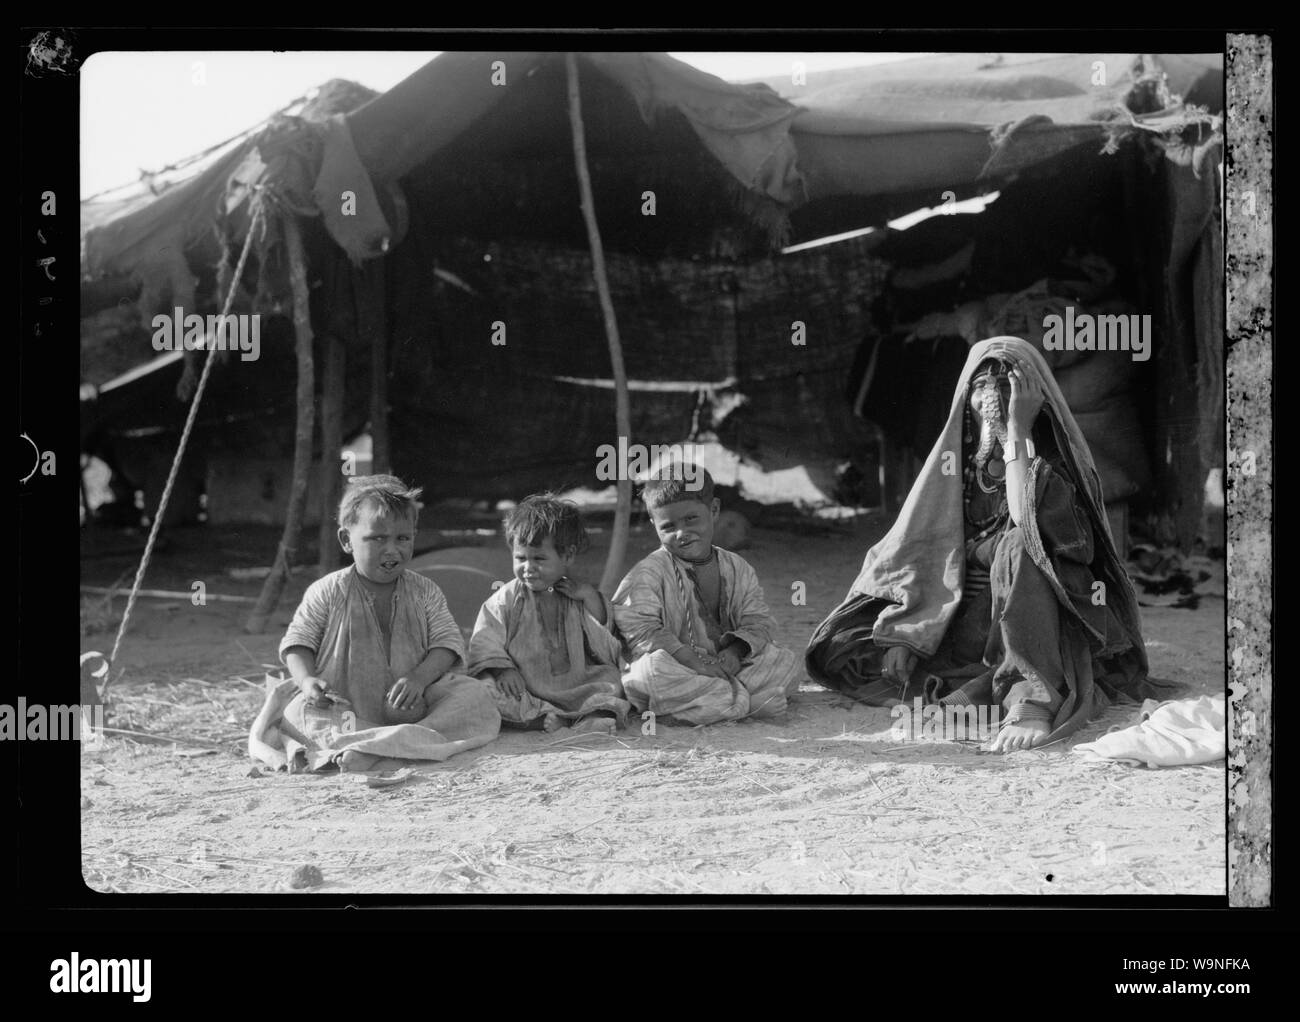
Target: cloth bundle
(1179,732)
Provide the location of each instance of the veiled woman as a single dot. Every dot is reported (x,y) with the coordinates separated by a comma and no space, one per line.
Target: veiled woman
(999,583)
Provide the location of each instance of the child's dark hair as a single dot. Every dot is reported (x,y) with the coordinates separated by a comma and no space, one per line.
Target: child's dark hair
(544,516)
(392,496)
(678,482)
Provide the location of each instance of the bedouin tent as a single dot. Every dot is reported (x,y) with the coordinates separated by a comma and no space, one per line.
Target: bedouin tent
(466,221)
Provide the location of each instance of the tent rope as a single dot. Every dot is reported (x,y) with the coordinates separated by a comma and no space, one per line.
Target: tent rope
(258,213)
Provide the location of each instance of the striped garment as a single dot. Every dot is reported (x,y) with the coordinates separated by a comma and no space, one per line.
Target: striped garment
(657,614)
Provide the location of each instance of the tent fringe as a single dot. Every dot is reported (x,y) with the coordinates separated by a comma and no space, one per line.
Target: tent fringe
(763,212)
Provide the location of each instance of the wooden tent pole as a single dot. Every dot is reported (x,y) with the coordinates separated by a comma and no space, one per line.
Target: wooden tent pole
(331,442)
(374,326)
(622,405)
(274,584)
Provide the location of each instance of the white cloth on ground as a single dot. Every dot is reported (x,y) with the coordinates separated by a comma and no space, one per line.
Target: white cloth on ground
(1179,732)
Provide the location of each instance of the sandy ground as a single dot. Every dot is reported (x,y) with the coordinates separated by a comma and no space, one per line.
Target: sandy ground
(825,801)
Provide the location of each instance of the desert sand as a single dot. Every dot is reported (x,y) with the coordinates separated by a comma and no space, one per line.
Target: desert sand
(825,801)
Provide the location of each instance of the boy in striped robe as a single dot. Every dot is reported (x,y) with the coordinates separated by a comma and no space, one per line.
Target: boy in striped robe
(692,617)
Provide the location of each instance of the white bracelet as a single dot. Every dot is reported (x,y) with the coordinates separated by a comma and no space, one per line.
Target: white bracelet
(1029,451)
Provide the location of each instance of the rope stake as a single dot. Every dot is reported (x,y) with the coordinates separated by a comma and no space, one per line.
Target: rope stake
(257,212)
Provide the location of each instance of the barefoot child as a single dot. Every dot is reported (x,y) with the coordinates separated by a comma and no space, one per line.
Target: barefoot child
(693,620)
(544,639)
(374,651)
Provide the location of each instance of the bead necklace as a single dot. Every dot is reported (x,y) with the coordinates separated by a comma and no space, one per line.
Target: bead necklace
(983,526)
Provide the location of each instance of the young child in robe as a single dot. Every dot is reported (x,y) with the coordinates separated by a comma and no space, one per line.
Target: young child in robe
(692,617)
(373,648)
(544,639)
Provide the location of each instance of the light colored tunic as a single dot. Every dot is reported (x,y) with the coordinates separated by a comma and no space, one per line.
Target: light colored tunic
(337,620)
(657,611)
(570,678)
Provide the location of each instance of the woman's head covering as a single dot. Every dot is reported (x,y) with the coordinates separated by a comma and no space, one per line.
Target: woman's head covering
(919,566)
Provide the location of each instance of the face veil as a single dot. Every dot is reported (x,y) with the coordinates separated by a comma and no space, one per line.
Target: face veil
(993,410)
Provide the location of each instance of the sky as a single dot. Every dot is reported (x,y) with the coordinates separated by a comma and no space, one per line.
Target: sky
(145,111)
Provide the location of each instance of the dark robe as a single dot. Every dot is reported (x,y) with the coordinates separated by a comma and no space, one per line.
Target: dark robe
(1039,618)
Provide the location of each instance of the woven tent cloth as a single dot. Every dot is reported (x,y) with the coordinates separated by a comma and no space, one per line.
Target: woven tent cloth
(479,143)
(901,127)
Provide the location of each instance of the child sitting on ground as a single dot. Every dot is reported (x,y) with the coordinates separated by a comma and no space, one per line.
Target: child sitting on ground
(544,638)
(692,616)
(373,648)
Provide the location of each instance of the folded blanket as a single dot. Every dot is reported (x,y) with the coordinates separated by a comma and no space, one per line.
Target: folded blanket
(1178,732)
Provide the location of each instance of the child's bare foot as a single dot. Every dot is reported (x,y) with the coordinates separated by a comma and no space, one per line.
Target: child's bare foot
(1024,735)
(552,722)
(596,725)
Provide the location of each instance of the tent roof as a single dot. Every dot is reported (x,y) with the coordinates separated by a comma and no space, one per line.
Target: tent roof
(947,122)
(844,146)
(1041,76)
(891,128)
(796,147)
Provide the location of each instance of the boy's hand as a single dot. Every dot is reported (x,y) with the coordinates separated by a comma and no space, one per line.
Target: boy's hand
(729,661)
(314,690)
(708,666)
(576,589)
(511,683)
(406,694)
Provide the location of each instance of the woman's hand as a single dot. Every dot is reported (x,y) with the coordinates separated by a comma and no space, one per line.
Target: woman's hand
(897,664)
(1026,399)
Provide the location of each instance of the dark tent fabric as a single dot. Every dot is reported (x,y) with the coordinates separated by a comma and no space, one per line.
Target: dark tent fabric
(965,122)
(473,150)
(708,345)
(906,127)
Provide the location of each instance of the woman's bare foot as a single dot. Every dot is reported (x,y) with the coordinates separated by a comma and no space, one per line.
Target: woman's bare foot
(1024,735)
